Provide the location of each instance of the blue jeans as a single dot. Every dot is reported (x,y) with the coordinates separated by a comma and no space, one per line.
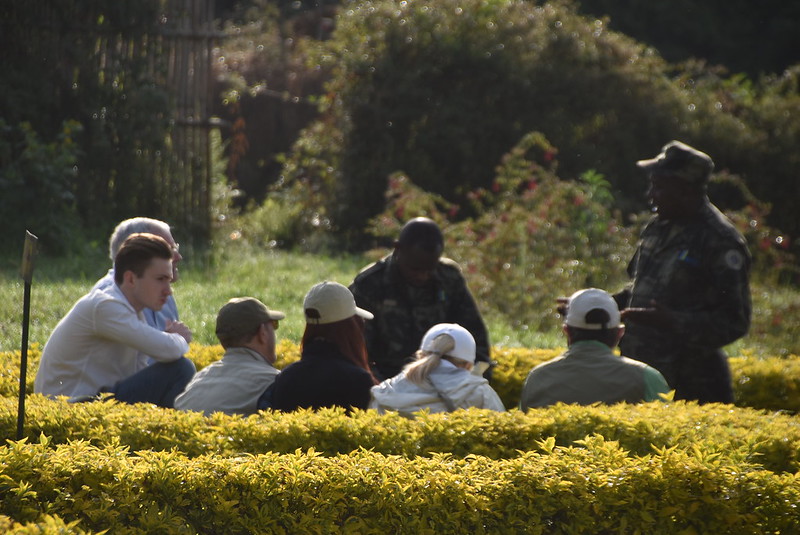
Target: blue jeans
(160,383)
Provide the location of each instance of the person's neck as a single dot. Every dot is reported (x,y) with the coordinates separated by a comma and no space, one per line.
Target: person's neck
(128,294)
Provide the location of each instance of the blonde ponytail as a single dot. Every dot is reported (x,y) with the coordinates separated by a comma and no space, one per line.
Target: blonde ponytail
(427,361)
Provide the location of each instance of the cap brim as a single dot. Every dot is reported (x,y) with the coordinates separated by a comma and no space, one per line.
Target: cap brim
(366,314)
(649,164)
(276,315)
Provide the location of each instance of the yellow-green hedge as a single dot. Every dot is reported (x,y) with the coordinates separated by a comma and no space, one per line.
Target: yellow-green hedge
(595,487)
(771,441)
(771,383)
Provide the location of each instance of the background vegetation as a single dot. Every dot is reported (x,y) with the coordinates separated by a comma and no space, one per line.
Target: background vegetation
(515,124)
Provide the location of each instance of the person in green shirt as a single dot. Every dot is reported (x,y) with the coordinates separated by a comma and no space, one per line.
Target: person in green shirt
(589,371)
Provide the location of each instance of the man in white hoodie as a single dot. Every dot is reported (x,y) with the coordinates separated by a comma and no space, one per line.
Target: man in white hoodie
(441,379)
(104,344)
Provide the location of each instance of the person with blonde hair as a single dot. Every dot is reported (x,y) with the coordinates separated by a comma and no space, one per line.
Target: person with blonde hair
(442,378)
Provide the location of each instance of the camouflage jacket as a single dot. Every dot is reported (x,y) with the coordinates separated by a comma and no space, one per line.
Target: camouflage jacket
(699,271)
(403,313)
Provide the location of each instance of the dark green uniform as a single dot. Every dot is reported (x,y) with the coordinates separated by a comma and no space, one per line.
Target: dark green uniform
(699,271)
(403,313)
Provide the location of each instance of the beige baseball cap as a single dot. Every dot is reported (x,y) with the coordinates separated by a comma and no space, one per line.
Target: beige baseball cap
(329,302)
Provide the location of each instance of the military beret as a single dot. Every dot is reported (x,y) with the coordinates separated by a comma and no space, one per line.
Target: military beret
(682,161)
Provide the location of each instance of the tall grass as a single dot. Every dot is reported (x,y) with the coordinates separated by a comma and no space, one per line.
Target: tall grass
(281,279)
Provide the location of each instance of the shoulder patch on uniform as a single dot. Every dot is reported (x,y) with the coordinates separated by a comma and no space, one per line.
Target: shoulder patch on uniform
(734,259)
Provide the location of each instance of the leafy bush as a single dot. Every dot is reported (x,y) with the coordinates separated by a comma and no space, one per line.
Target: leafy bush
(98,64)
(768,440)
(533,238)
(685,29)
(37,186)
(441,91)
(761,383)
(594,487)
(44,525)
(751,129)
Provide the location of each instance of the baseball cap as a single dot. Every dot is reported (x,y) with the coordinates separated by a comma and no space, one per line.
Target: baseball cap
(329,302)
(680,160)
(583,301)
(242,316)
(465,343)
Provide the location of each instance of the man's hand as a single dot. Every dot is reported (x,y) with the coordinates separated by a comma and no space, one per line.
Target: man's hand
(654,316)
(178,327)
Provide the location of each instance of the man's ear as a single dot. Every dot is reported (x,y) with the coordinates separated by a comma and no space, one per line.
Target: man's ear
(128,277)
(620,333)
(261,334)
(567,333)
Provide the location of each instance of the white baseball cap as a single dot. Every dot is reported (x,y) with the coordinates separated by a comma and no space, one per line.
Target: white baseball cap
(329,302)
(465,343)
(583,301)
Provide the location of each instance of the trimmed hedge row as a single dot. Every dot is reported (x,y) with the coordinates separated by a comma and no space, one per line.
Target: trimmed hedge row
(770,383)
(46,525)
(770,441)
(594,488)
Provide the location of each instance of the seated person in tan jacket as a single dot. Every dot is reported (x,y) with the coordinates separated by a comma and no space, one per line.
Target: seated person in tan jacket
(589,371)
(237,383)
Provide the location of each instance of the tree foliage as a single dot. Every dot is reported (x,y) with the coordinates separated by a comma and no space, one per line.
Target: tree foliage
(96,64)
(441,91)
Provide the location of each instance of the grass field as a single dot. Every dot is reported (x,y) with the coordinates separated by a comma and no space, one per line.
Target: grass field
(281,279)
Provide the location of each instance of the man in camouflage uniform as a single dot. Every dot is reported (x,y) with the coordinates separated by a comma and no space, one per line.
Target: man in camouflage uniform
(690,294)
(410,291)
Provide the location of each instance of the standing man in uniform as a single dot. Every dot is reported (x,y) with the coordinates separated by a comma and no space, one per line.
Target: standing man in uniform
(690,293)
(410,291)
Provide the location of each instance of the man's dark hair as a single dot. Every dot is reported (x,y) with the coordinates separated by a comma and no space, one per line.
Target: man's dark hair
(604,334)
(136,253)
(423,233)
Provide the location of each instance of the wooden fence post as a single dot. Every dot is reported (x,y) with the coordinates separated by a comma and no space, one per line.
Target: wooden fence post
(26,270)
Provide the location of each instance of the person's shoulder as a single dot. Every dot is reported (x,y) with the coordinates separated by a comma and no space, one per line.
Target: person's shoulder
(105,282)
(375,269)
(723,227)
(634,363)
(450,269)
(547,365)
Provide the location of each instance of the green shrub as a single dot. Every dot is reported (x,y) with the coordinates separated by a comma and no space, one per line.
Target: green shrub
(441,91)
(44,525)
(533,237)
(751,129)
(594,487)
(37,186)
(771,383)
(771,441)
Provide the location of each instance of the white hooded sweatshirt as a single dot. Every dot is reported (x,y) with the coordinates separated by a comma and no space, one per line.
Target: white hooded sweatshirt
(448,388)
